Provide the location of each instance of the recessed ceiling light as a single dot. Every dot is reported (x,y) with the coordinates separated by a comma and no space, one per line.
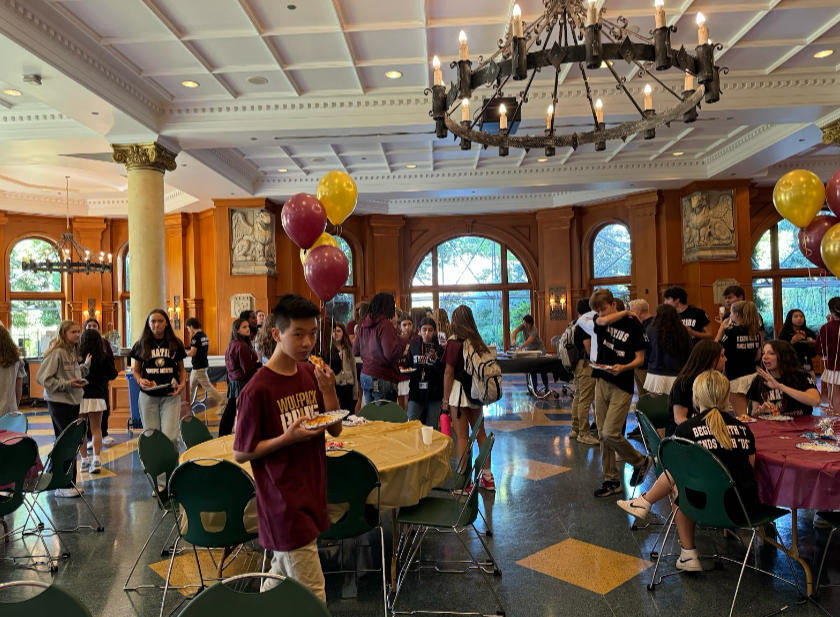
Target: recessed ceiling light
(393,74)
(253,139)
(11,92)
(319,159)
(188,83)
(291,7)
(825,53)
(730,117)
(256,80)
(364,158)
(94,113)
(282,170)
(411,165)
(678,153)
(541,160)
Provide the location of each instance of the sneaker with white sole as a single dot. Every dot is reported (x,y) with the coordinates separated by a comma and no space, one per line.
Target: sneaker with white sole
(108,441)
(90,446)
(588,440)
(487,482)
(69,492)
(95,465)
(573,434)
(638,507)
(83,466)
(689,560)
(820,522)
(608,488)
(639,473)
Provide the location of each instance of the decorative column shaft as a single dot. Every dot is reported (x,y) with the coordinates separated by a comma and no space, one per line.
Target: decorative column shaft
(146,164)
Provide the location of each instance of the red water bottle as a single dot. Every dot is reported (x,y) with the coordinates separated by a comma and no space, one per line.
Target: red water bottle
(445,423)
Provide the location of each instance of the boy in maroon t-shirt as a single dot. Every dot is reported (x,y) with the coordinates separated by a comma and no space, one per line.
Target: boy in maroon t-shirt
(289,461)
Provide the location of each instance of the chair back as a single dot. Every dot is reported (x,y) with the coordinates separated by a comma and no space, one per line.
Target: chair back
(702,481)
(14,421)
(351,478)
(651,439)
(53,600)
(60,460)
(17,456)
(288,598)
(470,510)
(655,407)
(193,431)
(463,480)
(213,486)
(158,457)
(386,412)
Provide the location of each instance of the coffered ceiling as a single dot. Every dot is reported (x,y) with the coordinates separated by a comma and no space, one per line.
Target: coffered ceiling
(287,92)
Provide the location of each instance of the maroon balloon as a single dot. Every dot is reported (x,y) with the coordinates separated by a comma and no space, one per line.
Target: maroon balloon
(304,219)
(832,193)
(810,238)
(326,270)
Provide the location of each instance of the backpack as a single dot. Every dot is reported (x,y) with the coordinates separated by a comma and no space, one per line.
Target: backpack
(482,378)
(568,353)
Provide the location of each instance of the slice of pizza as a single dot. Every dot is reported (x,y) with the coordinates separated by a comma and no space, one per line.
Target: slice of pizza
(318,362)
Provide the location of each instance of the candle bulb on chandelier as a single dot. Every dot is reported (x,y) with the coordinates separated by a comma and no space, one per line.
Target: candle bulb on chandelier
(592,13)
(502,117)
(464,52)
(599,111)
(438,72)
(517,21)
(648,98)
(109,257)
(702,30)
(87,255)
(465,110)
(659,13)
(689,82)
(548,116)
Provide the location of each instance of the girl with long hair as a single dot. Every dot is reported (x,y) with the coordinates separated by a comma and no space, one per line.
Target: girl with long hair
(265,343)
(63,379)
(380,350)
(740,336)
(706,356)
(159,370)
(669,346)
(241,365)
(804,340)
(102,370)
(346,386)
(781,386)
(407,334)
(12,373)
(93,324)
(444,329)
(827,347)
(464,413)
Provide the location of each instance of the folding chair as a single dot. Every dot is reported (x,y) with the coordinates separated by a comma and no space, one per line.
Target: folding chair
(53,600)
(388,411)
(833,518)
(14,421)
(288,599)
(651,439)
(194,431)
(702,481)
(351,478)
(443,512)
(655,407)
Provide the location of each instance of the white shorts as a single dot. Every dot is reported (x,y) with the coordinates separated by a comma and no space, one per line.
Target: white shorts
(832,377)
(92,404)
(457,398)
(741,385)
(402,388)
(659,384)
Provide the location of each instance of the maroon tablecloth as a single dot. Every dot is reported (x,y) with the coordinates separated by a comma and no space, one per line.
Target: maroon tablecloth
(36,469)
(792,478)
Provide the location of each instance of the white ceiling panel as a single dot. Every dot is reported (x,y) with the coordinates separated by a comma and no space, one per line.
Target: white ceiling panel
(356,14)
(339,80)
(222,53)
(307,49)
(108,18)
(413,76)
(378,46)
(277,82)
(206,16)
(208,86)
(789,25)
(307,15)
(805,59)
(470,10)
(161,56)
(753,58)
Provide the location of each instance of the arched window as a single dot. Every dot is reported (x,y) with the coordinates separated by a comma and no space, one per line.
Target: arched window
(125,294)
(36,297)
(783,280)
(341,308)
(612,260)
(480,273)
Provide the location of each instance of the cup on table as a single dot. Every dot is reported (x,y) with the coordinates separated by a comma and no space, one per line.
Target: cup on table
(428,433)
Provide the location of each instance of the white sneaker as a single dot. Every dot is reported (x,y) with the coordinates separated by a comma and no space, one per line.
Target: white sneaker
(108,441)
(638,507)
(85,464)
(90,446)
(95,465)
(588,440)
(69,492)
(689,560)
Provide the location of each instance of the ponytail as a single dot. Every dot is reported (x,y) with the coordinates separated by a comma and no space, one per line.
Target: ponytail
(711,392)
(717,426)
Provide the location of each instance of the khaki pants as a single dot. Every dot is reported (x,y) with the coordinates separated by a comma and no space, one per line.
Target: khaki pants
(584,395)
(611,407)
(302,565)
(640,374)
(198,377)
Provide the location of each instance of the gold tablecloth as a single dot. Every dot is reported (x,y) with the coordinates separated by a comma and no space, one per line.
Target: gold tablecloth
(408,469)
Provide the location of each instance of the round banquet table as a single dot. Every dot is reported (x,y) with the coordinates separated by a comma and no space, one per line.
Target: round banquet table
(792,478)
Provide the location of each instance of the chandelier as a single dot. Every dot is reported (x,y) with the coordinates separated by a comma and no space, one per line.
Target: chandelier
(584,36)
(81,263)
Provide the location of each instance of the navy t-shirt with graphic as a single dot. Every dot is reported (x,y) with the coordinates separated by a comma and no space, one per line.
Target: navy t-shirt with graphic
(161,366)
(741,350)
(200,343)
(618,344)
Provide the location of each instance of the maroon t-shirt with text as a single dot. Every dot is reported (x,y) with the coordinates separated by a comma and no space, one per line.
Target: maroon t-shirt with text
(292,481)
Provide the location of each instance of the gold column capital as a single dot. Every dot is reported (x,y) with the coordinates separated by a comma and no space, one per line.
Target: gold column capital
(149,155)
(831,133)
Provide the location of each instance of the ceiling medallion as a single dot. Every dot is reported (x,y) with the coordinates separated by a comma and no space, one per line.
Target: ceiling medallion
(584,37)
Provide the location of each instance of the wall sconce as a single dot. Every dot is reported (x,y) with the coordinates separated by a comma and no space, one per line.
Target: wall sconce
(177,303)
(91,310)
(557,300)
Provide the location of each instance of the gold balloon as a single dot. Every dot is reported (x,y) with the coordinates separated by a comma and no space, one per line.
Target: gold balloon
(324,238)
(798,196)
(338,193)
(830,249)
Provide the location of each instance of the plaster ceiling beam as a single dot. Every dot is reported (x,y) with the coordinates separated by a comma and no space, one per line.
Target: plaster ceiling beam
(671,143)
(745,30)
(272,49)
(759,148)
(347,45)
(621,145)
(427,60)
(721,141)
(828,25)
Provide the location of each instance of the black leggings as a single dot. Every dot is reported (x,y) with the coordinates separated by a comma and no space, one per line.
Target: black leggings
(544,380)
(228,421)
(345,397)
(63,415)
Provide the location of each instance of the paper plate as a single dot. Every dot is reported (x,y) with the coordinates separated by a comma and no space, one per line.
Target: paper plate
(772,418)
(325,419)
(746,419)
(818,446)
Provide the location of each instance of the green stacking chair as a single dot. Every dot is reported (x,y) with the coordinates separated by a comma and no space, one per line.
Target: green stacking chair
(351,478)
(288,599)
(833,518)
(651,439)
(655,407)
(194,431)
(388,411)
(159,459)
(53,600)
(444,513)
(14,421)
(703,481)
(209,485)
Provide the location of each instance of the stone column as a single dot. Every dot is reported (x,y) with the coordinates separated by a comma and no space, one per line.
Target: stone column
(555,240)
(146,163)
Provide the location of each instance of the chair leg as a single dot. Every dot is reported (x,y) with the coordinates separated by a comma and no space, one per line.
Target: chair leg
(142,550)
(384,578)
(484,576)
(198,566)
(822,561)
(404,572)
(741,575)
(65,553)
(169,574)
(670,522)
(497,571)
(790,562)
(99,526)
(488,531)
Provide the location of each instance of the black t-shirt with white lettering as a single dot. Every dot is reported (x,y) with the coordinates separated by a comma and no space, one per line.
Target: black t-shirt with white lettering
(200,343)
(647,323)
(161,366)
(695,318)
(618,344)
(681,394)
(580,337)
(802,381)
(741,349)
